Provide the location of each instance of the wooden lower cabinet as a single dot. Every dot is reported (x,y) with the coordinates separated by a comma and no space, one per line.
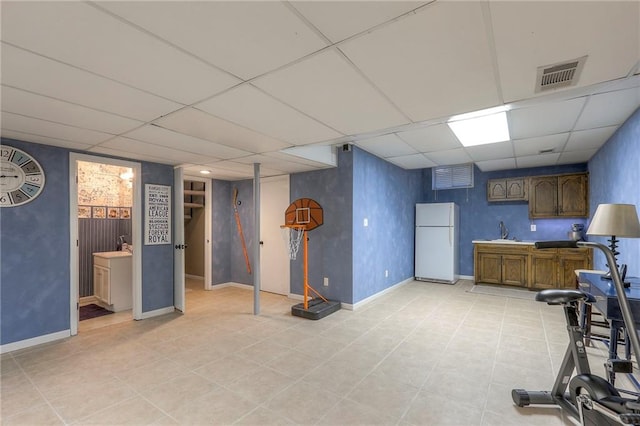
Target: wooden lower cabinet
(524,266)
(497,264)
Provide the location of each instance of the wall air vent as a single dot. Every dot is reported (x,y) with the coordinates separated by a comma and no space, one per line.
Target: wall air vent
(559,75)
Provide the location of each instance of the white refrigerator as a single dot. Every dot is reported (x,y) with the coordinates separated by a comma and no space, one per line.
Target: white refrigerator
(437,229)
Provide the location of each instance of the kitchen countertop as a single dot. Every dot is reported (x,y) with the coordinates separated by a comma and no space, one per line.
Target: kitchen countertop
(112,254)
(525,243)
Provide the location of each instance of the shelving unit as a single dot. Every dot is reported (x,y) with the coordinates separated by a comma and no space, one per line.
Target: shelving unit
(193,197)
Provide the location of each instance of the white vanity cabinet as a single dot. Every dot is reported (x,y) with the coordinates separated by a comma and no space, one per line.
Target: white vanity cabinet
(112,279)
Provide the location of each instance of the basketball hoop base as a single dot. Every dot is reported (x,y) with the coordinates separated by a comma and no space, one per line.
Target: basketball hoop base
(316,309)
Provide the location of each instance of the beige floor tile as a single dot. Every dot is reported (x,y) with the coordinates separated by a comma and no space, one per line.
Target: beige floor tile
(263,417)
(152,374)
(172,395)
(37,415)
(261,385)
(219,406)
(433,408)
(382,393)
(227,370)
(347,412)
(135,411)
(303,403)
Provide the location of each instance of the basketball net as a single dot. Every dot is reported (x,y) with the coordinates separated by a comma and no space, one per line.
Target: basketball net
(292,235)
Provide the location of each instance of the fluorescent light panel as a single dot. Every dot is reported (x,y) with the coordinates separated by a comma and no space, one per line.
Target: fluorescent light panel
(481,127)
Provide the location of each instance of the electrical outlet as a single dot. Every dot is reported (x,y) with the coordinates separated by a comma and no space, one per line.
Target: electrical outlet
(386,273)
(366,222)
(325,282)
(533,228)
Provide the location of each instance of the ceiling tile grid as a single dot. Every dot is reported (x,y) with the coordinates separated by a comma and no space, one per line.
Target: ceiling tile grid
(224,84)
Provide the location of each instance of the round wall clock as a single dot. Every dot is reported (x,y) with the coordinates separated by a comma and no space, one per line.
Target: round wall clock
(21,177)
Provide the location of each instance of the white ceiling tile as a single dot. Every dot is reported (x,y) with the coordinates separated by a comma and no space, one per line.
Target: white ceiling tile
(327,88)
(490,151)
(36,106)
(537,160)
(45,140)
(158,136)
(82,35)
(438,137)
(413,161)
(608,109)
(201,125)
(244,38)
(573,157)
(24,70)
(52,130)
(589,139)
(452,156)
(215,173)
(546,119)
(273,163)
(386,146)
(492,165)
(239,170)
(439,53)
(294,159)
(169,155)
(532,34)
(144,156)
(533,146)
(250,107)
(338,20)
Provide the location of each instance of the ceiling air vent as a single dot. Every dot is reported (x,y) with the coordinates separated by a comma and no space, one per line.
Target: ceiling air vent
(559,75)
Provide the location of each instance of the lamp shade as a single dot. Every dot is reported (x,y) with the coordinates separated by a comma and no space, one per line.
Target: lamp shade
(620,220)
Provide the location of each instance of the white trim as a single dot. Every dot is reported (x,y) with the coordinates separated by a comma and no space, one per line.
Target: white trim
(157,312)
(136,237)
(87,300)
(194,277)
(466,277)
(232,284)
(27,343)
(363,302)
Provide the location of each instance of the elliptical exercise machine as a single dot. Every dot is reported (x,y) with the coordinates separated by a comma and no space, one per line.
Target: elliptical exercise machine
(591,399)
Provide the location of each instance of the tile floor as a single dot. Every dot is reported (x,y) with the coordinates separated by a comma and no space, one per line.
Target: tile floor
(422,354)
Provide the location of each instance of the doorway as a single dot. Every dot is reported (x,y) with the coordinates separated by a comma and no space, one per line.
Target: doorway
(197,229)
(274,261)
(106,213)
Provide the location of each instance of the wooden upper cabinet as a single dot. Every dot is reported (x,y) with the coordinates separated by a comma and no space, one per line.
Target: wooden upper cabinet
(513,189)
(573,195)
(557,196)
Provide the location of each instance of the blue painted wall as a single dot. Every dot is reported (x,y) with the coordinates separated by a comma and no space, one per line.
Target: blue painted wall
(34,247)
(479,219)
(385,195)
(615,178)
(221,212)
(238,266)
(330,245)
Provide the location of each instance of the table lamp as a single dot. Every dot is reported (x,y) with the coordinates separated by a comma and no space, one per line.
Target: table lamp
(615,220)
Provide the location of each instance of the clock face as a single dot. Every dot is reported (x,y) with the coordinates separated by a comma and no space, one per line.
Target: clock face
(21,177)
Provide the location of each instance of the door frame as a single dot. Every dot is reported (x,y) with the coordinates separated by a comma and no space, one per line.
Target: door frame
(208,259)
(136,233)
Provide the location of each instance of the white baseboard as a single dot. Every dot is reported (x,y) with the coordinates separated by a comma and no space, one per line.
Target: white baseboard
(87,300)
(27,343)
(466,277)
(232,284)
(363,302)
(353,307)
(194,277)
(157,312)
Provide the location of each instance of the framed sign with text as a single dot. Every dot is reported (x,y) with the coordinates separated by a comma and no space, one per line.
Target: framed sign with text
(157,218)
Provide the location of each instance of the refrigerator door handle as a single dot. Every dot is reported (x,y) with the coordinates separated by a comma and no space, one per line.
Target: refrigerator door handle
(450,235)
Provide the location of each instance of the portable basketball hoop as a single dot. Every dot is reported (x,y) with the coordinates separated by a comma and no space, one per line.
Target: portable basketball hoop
(302,216)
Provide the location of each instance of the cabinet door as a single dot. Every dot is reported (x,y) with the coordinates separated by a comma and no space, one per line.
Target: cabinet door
(497,190)
(489,268)
(568,265)
(516,189)
(572,195)
(543,196)
(514,270)
(544,271)
(101,284)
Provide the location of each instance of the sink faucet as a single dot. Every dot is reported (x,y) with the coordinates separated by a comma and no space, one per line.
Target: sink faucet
(504,232)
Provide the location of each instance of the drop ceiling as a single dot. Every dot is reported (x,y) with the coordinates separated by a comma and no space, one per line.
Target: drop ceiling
(219,86)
